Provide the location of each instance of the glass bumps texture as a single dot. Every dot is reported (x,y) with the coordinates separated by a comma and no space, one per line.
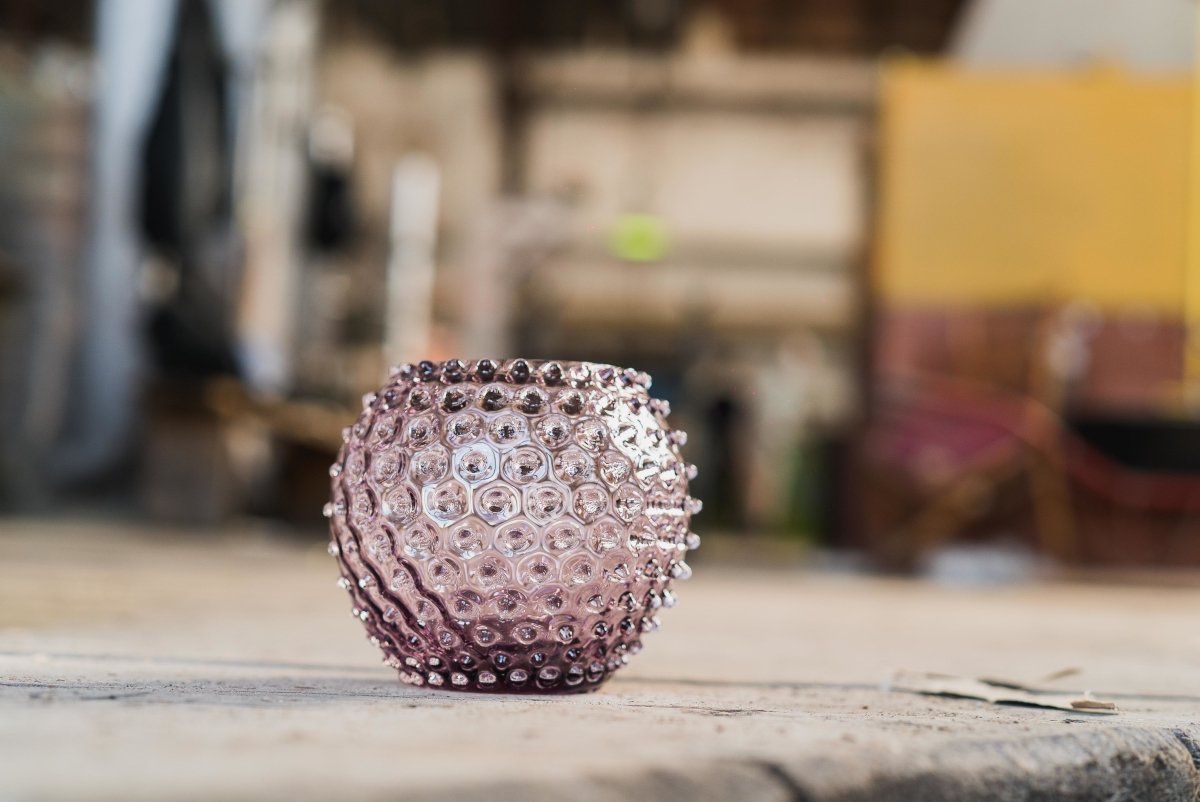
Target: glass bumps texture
(511,526)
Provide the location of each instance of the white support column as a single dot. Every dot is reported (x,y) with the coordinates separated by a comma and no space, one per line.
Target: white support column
(416,184)
(271,193)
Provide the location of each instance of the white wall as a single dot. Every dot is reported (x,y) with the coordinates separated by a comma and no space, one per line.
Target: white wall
(1146,34)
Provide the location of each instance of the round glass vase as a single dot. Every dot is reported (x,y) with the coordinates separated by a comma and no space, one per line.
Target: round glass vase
(511,526)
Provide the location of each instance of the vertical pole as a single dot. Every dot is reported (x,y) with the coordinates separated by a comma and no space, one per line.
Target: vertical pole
(271,194)
(410,272)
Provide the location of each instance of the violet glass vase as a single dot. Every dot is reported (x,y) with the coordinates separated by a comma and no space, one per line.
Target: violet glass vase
(511,527)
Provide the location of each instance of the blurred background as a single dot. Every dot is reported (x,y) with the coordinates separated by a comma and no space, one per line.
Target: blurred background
(915,276)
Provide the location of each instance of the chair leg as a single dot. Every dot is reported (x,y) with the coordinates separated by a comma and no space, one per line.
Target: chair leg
(1053,514)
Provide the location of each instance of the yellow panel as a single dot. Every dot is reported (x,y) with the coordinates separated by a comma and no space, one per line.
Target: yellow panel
(1027,187)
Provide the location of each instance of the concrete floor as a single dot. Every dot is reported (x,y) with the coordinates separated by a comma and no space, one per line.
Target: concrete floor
(138,663)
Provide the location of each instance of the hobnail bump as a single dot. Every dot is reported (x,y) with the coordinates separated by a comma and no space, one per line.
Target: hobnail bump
(511,527)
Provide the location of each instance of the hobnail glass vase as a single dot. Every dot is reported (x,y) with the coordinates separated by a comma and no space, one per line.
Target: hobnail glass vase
(511,527)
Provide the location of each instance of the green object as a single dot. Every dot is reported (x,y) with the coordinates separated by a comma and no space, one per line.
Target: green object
(639,238)
(807,471)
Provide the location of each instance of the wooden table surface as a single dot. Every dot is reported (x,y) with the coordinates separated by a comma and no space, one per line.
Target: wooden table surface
(141,663)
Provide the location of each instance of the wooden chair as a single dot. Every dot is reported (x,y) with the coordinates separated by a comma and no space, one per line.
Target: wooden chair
(943,446)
